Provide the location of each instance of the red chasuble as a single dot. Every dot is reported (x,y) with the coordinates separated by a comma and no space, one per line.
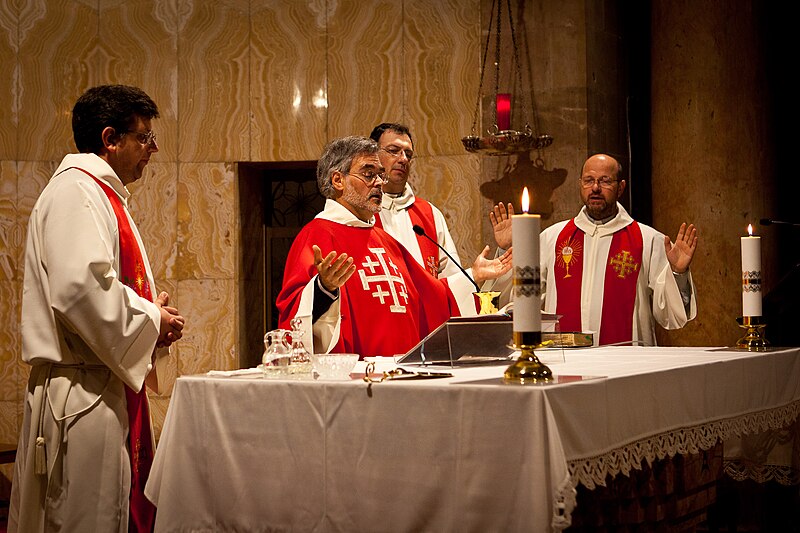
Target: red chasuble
(619,289)
(421,214)
(387,305)
(132,273)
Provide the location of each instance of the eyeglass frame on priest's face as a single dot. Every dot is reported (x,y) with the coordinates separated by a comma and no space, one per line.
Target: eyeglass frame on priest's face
(604,182)
(145,138)
(397,152)
(367,180)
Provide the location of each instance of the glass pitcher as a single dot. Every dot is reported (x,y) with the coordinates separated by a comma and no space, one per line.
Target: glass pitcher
(277,354)
(301,359)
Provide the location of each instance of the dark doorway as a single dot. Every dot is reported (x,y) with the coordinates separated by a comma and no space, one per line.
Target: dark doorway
(275,201)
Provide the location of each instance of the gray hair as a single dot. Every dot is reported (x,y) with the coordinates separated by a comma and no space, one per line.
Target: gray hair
(338,157)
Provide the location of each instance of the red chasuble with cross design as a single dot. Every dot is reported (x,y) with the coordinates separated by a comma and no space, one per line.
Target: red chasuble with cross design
(619,289)
(421,214)
(387,305)
(133,274)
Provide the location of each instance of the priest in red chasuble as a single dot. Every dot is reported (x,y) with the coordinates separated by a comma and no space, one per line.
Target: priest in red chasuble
(604,272)
(361,289)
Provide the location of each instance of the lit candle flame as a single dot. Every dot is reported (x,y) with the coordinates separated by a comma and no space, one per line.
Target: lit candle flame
(750,229)
(525,200)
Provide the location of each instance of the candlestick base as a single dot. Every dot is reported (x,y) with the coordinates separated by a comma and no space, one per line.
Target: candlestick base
(754,339)
(527,368)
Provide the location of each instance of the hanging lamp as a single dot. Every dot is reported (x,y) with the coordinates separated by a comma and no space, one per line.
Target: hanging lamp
(501,138)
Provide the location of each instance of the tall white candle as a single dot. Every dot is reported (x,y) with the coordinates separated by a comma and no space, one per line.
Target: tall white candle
(527,283)
(751,274)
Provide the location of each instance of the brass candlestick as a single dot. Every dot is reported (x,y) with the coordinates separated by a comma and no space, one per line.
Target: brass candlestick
(754,339)
(527,368)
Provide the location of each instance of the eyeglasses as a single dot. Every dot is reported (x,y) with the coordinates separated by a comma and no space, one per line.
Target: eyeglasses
(369,177)
(605,182)
(144,138)
(396,151)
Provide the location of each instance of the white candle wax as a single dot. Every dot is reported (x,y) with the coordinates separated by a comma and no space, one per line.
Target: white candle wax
(751,276)
(527,284)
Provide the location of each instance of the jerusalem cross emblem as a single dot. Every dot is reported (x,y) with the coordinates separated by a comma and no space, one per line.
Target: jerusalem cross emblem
(382,270)
(623,264)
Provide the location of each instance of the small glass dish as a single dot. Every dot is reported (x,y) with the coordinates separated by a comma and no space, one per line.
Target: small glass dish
(334,366)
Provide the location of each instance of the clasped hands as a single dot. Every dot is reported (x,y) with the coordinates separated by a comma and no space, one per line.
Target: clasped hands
(335,269)
(171,322)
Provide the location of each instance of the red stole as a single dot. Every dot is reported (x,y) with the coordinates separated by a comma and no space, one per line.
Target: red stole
(619,289)
(133,274)
(421,214)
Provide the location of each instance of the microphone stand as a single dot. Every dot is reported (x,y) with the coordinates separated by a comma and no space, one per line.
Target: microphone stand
(770,221)
(488,299)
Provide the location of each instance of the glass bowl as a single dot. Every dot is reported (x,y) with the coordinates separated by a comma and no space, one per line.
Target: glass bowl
(334,366)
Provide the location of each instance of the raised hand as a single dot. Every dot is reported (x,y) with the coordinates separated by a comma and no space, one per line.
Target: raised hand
(484,269)
(500,217)
(680,253)
(334,270)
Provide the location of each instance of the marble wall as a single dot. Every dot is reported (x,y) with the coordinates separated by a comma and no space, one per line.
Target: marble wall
(251,80)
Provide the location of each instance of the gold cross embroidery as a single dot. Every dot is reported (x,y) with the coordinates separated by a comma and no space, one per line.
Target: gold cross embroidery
(623,264)
(433,266)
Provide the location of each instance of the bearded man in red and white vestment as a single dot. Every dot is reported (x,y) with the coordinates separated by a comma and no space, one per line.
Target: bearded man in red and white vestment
(401,209)
(358,287)
(607,274)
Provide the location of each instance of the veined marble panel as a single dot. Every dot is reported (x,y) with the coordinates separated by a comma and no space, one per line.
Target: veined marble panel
(366,77)
(9,432)
(206,223)
(53,72)
(209,338)
(158,412)
(8,88)
(288,93)
(559,60)
(154,206)
(449,183)
(443,49)
(148,59)
(9,225)
(9,340)
(9,420)
(213,85)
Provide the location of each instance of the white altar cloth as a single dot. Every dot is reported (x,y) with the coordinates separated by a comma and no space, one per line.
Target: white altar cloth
(466,453)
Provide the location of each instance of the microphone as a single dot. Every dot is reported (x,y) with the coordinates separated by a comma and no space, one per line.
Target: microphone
(421,232)
(769,221)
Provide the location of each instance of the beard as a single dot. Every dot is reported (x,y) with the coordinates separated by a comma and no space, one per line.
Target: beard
(364,203)
(599,208)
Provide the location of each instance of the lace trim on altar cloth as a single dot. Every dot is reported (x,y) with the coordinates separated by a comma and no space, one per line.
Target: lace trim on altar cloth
(594,471)
(744,470)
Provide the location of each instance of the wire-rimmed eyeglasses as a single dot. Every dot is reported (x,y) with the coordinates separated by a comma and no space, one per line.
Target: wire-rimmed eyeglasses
(605,182)
(396,151)
(369,177)
(145,138)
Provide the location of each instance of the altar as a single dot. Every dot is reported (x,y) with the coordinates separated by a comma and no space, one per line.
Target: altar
(461,453)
